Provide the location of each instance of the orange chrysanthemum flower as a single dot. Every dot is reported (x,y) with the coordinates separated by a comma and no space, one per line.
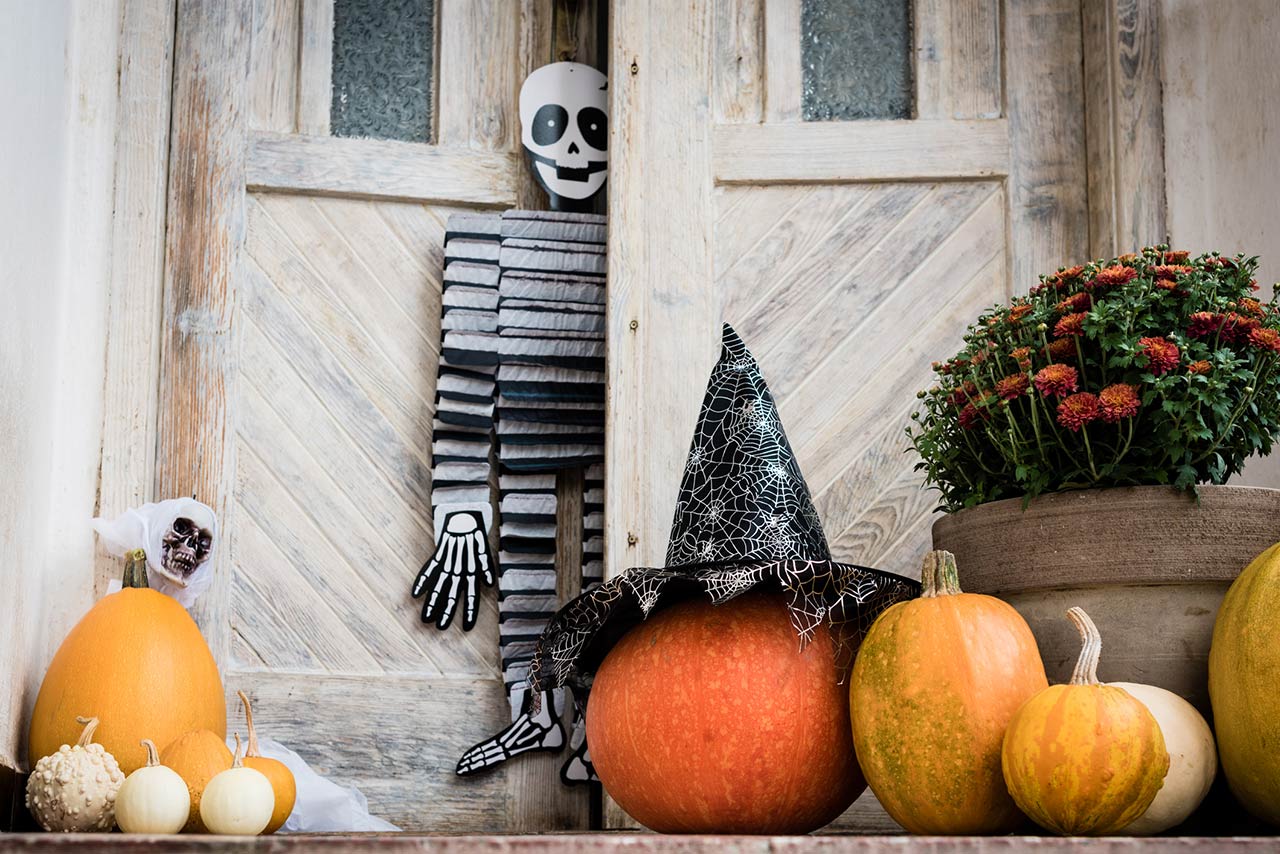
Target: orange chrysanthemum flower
(1265,339)
(1200,367)
(1022,356)
(1013,386)
(1249,305)
(1236,327)
(1057,380)
(1177,257)
(1169,272)
(1018,311)
(1112,276)
(1078,410)
(1118,401)
(1162,355)
(1072,324)
(1062,279)
(964,393)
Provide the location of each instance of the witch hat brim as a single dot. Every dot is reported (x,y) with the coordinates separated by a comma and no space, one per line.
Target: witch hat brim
(744,519)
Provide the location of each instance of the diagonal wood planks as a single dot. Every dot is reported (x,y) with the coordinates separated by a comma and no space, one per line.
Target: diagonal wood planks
(846,293)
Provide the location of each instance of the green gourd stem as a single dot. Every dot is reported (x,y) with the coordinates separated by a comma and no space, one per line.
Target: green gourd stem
(236,761)
(251,747)
(153,755)
(1086,671)
(939,576)
(135,570)
(89,724)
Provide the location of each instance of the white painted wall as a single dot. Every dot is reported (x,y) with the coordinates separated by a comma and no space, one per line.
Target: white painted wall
(58,64)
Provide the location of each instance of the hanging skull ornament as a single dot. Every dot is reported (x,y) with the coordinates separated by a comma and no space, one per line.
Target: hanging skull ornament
(564,115)
(184,547)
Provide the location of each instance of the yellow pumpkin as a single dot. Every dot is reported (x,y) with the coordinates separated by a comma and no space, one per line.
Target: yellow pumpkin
(276,772)
(138,663)
(1244,685)
(198,757)
(1084,759)
(928,726)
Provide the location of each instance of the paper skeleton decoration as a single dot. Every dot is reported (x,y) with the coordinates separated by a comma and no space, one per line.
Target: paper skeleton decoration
(564,118)
(179,536)
(522,363)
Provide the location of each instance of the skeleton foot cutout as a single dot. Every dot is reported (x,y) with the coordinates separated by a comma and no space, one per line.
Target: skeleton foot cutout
(578,768)
(542,730)
(460,561)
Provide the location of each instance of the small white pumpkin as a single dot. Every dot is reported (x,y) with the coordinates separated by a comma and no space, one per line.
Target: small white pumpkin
(153,799)
(74,790)
(1193,760)
(238,801)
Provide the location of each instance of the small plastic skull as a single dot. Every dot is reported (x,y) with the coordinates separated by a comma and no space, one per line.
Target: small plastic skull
(565,128)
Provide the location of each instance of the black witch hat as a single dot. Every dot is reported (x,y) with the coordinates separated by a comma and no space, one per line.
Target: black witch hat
(744,519)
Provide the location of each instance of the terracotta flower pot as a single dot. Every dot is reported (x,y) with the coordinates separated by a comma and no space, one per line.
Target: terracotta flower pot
(1148,564)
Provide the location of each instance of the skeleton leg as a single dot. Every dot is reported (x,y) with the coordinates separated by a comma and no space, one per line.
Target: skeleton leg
(541,730)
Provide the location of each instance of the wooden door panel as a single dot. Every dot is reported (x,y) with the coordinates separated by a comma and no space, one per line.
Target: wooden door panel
(845,293)
(335,399)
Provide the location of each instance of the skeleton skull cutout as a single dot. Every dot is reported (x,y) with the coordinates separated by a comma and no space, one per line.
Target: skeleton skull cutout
(184,547)
(564,115)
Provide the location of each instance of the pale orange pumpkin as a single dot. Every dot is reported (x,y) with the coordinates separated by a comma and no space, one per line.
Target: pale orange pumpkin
(276,772)
(935,684)
(198,757)
(1084,759)
(138,663)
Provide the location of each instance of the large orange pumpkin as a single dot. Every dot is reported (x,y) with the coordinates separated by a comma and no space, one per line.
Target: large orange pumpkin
(1084,759)
(710,719)
(139,664)
(934,687)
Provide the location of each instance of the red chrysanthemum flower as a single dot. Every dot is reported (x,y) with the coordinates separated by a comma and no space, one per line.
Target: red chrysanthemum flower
(1162,354)
(1128,258)
(1200,367)
(1062,349)
(1236,327)
(1057,380)
(1013,386)
(1076,302)
(1202,324)
(1265,339)
(1063,278)
(963,393)
(1078,410)
(1118,401)
(970,416)
(1176,257)
(1254,286)
(1072,324)
(1022,356)
(1112,276)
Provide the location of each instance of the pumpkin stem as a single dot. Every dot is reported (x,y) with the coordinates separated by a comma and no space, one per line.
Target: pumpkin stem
(153,756)
(135,570)
(89,724)
(251,749)
(1086,672)
(939,576)
(235,759)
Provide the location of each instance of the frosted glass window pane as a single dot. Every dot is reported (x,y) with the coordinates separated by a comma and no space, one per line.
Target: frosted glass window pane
(857,59)
(382,61)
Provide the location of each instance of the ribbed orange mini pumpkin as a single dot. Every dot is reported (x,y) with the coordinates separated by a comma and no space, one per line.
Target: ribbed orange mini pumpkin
(1084,759)
(277,773)
(710,719)
(138,663)
(935,684)
(198,757)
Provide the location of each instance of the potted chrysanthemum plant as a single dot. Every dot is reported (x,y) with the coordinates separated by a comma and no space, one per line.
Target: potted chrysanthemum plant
(1080,441)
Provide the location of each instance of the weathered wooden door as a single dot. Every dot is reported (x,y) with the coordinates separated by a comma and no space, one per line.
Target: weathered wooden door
(848,182)
(318,147)
(865,178)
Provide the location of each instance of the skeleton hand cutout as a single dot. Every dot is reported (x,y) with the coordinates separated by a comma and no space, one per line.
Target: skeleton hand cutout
(461,556)
(541,730)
